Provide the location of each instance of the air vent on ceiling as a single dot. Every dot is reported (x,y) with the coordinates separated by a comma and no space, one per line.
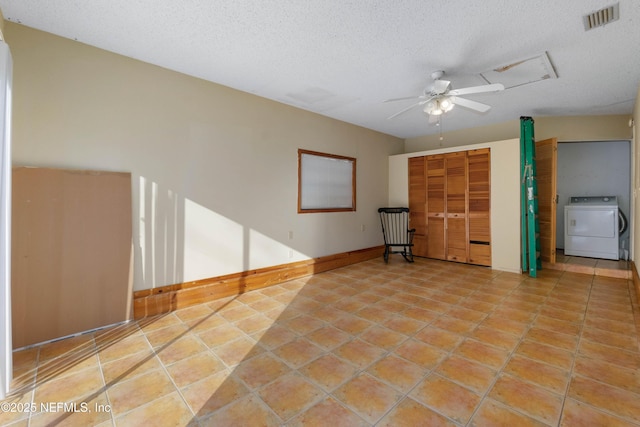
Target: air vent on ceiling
(601,17)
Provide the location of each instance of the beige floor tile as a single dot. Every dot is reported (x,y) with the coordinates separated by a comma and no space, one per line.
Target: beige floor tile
(69,387)
(163,336)
(194,313)
(577,414)
(67,364)
(452,400)
(221,334)
(610,399)
(130,366)
(116,349)
(299,352)
(439,338)
(545,353)
(81,344)
(547,376)
(423,355)
(397,372)
(328,337)
(302,324)
(247,411)
(367,397)
(600,370)
(557,325)
(194,368)
(213,392)
(290,394)
(470,374)
(127,395)
(328,413)
(411,413)
(89,411)
(404,325)
(237,313)
(274,337)
(328,314)
(180,349)
(488,355)
(494,414)
(359,353)
(555,339)
(253,324)
(382,337)
(373,343)
(613,339)
(261,370)
(158,322)
(616,356)
(504,324)
(352,324)
(495,337)
(199,325)
(236,351)
(533,400)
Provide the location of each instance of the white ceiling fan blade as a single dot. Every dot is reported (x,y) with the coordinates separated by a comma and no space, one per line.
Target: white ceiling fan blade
(404,98)
(410,107)
(477,89)
(440,86)
(473,105)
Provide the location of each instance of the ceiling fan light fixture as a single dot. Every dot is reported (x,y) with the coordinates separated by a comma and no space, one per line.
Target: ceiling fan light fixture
(438,106)
(446,104)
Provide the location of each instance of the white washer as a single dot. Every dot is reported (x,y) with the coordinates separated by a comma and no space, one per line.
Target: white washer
(591,227)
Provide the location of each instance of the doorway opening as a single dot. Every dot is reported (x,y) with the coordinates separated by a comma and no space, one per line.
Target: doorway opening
(588,169)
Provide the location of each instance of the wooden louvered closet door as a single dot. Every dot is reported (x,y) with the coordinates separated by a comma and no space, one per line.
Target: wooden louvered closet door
(456,206)
(436,207)
(418,204)
(450,206)
(479,162)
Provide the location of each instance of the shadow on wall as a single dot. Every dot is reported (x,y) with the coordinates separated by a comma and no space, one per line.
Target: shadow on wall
(181,240)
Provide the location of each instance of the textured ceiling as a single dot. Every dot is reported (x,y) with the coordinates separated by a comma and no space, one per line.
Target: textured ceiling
(343,58)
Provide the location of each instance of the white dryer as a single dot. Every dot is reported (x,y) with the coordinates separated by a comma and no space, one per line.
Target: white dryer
(591,227)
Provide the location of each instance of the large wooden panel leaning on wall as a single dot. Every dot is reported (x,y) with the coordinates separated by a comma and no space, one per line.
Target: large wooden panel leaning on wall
(71,252)
(449,203)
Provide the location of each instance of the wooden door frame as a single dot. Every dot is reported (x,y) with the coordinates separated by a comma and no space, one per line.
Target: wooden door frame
(547,180)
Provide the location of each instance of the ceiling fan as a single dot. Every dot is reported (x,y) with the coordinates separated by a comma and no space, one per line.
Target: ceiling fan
(440,98)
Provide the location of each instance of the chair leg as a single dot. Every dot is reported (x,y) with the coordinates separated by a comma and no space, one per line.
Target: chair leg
(386,254)
(407,253)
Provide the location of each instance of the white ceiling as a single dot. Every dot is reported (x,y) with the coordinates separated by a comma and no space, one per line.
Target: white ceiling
(343,58)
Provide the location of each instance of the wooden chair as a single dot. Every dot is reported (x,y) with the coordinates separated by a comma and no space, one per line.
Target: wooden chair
(395,228)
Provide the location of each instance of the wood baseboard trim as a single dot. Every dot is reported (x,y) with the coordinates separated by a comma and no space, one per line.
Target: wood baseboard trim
(151,302)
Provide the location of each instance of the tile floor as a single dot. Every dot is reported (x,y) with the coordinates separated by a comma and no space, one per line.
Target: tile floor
(599,267)
(424,344)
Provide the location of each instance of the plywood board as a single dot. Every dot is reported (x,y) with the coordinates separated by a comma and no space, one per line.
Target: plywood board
(72,248)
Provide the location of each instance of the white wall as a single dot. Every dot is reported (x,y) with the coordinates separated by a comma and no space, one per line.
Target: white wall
(505,196)
(214,170)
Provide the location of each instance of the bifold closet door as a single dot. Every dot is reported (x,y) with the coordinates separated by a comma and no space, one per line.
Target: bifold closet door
(418,204)
(479,206)
(71,245)
(456,206)
(436,191)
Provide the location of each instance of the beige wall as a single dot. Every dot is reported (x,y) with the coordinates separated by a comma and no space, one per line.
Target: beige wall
(214,170)
(505,196)
(578,128)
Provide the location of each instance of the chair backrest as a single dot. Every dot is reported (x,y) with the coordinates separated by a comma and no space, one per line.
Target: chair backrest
(395,225)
